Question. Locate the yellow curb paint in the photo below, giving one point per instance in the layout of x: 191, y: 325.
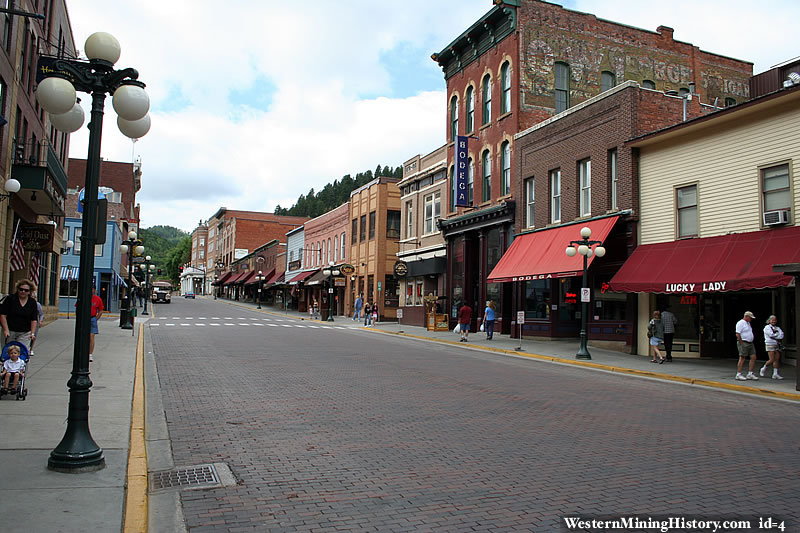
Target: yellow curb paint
x: 136, y: 481
x: 615, y: 369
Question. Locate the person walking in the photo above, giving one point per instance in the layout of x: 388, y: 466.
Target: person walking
x: 375, y: 315
x: 772, y: 340
x: 670, y: 321
x: 655, y: 332
x: 96, y: 313
x: 489, y: 316
x: 367, y: 314
x: 19, y: 314
x: 359, y: 304
x: 745, y: 346
x: 464, y: 317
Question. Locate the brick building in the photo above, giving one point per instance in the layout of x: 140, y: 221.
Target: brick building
x: 124, y: 178
x: 520, y: 64
x: 326, y: 243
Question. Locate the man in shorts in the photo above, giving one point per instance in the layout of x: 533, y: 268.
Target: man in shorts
x: 97, y: 312
x: 464, y: 317
x: 744, y: 342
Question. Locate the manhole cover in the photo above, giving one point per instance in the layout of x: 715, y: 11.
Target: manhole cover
x: 192, y: 477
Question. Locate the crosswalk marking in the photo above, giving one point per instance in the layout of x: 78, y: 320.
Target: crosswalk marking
x: 273, y: 325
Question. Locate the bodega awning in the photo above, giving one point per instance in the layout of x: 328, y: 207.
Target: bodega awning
x: 542, y: 254
x: 713, y: 264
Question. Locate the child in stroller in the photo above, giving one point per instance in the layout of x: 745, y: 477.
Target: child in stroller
x: 14, y: 358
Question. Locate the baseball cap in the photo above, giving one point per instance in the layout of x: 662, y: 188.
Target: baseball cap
x: 748, y: 313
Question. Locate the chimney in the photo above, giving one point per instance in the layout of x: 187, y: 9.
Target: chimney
x: 665, y: 31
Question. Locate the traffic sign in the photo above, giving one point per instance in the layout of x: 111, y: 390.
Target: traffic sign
x: 520, y: 317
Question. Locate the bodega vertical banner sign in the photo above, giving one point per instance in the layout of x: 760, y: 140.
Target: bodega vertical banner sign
x: 461, y: 170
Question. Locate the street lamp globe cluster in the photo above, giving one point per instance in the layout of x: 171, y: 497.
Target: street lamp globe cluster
x: 148, y: 270
x: 586, y: 248
x: 58, y: 81
x: 331, y: 272
x: 133, y: 247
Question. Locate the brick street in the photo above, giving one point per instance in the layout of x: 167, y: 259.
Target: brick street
x: 341, y: 430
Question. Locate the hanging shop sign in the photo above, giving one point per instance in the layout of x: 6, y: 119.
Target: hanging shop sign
x: 400, y: 269
x: 37, y: 237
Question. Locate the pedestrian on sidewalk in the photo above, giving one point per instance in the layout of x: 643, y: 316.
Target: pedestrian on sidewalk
x: 359, y: 304
x: 488, y: 319
x: 670, y: 321
x: 374, y: 314
x: 655, y: 332
x: 773, y: 335
x: 39, y: 320
x: 745, y: 346
x: 464, y: 317
x: 96, y: 313
x: 367, y: 314
x: 19, y: 314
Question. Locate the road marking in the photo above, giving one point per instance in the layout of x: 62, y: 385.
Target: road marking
x: 213, y: 324
x: 273, y: 325
x: 199, y: 324
x: 315, y: 327
x: 229, y: 324
x: 155, y: 324
x: 169, y: 324
x: 286, y: 325
x: 185, y: 324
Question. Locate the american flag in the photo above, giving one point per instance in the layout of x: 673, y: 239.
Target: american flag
x: 17, y: 252
x: 33, y: 273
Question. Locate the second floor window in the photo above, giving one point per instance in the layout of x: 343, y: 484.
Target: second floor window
x: 470, y: 98
x: 453, y: 118
x: 372, y: 223
x: 486, y: 163
x: 505, y: 163
x: 529, y: 198
x: 342, y: 254
x: 362, y: 234
x: 612, y: 173
x: 585, y: 182
x: 393, y: 224
x: 433, y: 211
x: 505, y: 79
x: 354, y: 232
x: 775, y: 186
x: 555, y: 196
x: 409, y: 219
x: 562, y: 87
x: 486, y: 90
x: 686, y: 203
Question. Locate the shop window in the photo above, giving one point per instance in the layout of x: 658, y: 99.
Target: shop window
x: 505, y: 79
x: 453, y: 118
x: 470, y: 98
x: 486, y: 163
x: 686, y: 308
x: 607, y: 80
x: 505, y: 163
x: 392, y: 224
x: 537, y: 299
x: 486, y: 88
x: 607, y: 305
x: 391, y: 294
x: 612, y: 173
x: 529, y: 203
x: 686, y: 202
x: 555, y: 196
x: 585, y: 179
x: 562, y: 86
x: 370, y: 288
x: 775, y: 187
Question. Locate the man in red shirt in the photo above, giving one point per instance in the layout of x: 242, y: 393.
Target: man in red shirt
x: 97, y: 312
x: 464, y: 317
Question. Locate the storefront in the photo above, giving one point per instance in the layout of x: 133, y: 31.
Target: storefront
x: 423, y: 283
x: 709, y: 283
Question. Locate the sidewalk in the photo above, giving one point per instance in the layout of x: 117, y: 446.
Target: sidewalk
x: 44, y: 500
x: 715, y: 373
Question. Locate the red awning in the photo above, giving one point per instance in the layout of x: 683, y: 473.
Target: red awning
x: 276, y: 278
x: 246, y: 278
x: 301, y: 276
x: 235, y: 278
x: 541, y: 254
x: 252, y: 279
x: 712, y: 264
x: 223, y: 279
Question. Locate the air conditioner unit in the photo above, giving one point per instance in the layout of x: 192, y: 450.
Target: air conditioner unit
x: 774, y: 218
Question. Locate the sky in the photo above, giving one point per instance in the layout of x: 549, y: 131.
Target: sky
x: 255, y: 102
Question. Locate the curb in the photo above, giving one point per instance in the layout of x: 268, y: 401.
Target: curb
x: 135, y: 511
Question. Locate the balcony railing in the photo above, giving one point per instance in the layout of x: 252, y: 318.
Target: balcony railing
x: 39, y: 153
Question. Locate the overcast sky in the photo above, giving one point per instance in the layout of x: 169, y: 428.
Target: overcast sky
x: 254, y: 102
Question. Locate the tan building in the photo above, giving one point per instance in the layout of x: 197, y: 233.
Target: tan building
x: 423, y: 249
x: 719, y: 202
x: 374, y: 237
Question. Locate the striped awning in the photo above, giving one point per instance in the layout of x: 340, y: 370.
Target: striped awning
x: 118, y: 281
x: 69, y: 273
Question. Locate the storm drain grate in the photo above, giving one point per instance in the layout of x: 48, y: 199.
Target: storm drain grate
x: 191, y: 477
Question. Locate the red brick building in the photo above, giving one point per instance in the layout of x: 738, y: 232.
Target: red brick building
x: 522, y: 63
x: 124, y: 178
x: 327, y: 241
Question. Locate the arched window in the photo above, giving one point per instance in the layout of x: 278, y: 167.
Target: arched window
x: 453, y: 118
x: 562, y: 87
x: 649, y: 84
x: 342, y: 253
x: 607, y: 80
x: 505, y: 79
x: 470, y: 109
x: 336, y: 247
x: 470, y: 181
x: 321, y: 249
x: 486, y: 96
x: 330, y: 251
x: 486, y: 163
x: 505, y: 163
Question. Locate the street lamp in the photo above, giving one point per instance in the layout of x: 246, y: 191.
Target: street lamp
x: 584, y: 247
x: 331, y: 272
x: 148, y: 268
x: 259, y: 279
x: 59, y: 79
x: 216, y: 278
x: 132, y: 246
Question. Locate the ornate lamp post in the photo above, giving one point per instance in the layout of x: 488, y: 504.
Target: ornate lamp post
x: 216, y: 278
x: 584, y: 247
x: 132, y: 246
x: 259, y: 279
x: 331, y: 272
x: 147, y: 268
x: 58, y: 80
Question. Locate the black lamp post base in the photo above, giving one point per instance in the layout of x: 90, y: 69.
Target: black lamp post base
x: 583, y: 355
x: 127, y: 325
x: 66, y: 457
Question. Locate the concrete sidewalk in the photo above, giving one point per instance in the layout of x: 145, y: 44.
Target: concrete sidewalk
x: 715, y: 373
x: 43, y: 500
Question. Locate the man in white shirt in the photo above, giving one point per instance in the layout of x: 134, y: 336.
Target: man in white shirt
x: 744, y: 342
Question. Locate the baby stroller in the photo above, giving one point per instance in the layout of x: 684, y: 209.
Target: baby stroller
x: 21, y: 391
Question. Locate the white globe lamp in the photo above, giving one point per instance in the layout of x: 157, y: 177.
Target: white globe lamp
x: 102, y: 45
x: 56, y: 95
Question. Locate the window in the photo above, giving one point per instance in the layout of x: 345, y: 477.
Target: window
x: 537, y: 299
x: 775, y: 184
x: 730, y: 101
x: 486, y: 163
x: 202, y: 254
x: 453, y: 118
x: 555, y: 196
x: 335, y: 252
x: 432, y: 211
x: 342, y: 254
x: 372, y: 226
x: 607, y: 80
x: 647, y: 84
x: 585, y: 182
x: 470, y: 181
x: 612, y: 173
x: 409, y: 219
x: 452, y: 188
x: 98, y: 250
x: 354, y: 232
x: 362, y: 234
x: 393, y: 224
x: 505, y: 162
x: 529, y: 197
x: 202, y: 241
x: 686, y: 201
x: 330, y: 251
x: 562, y: 87
x: 76, y: 249
x: 470, y: 109
x: 505, y: 79
x: 486, y: 90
